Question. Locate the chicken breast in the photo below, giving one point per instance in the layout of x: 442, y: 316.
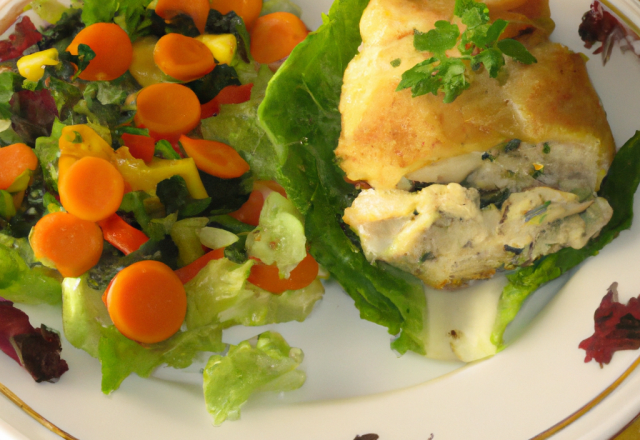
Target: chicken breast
x: 505, y: 174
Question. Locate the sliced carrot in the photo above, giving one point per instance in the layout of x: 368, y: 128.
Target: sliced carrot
x: 112, y: 47
x: 249, y: 212
x: 15, y: 159
x: 167, y: 110
x: 188, y: 272
x: 248, y: 10
x: 92, y: 189
x: 198, y: 10
x: 146, y: 302
x: 214, y: 157
x: 228, y: 95
x: 267, y: 277
x: 183, y: 58
x: 121, y: 234
x: 140, y: 147
x: 73, y: 245
x: 274, y: 36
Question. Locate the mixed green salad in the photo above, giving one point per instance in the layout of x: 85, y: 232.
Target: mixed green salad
x: 211, y: 228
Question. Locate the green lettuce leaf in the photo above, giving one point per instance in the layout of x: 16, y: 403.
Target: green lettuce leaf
x: 21, y: 283
x: 618, y: 188
x: 121, y: 356
x: 48, y: 153
x: 220, y: 294
x: 268, y: 364
x: 300, y: 114
x: 237, y: 125
x: 87, y: 326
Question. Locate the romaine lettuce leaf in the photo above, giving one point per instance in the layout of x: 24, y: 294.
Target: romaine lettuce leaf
x: 618, y: 188
x: 268, y: 364
x: 300, y: 114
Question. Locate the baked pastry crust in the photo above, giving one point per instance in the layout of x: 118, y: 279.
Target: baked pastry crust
x: 387, y: 135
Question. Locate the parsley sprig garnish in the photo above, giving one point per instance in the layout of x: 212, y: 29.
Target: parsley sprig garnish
x: 479, y: 45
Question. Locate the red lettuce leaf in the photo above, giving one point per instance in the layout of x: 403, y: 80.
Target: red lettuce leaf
x: 33, y: 114
x: 617, y: 327
x: 37, y: 350
x: 599, y: 25
x: 24, y: 36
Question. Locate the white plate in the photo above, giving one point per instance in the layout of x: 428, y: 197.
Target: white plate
x: 356, y: 385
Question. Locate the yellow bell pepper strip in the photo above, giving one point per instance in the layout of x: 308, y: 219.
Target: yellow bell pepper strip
x: 81, y: 140
x: 142, y: 176
x: 222, y: 46
x: 32, y: 66
x: 143, y: 68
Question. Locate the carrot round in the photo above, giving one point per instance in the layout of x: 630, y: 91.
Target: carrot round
x: 188, y: 272
x: 167, y: 110
x: 267, y: 277
x: 146, y: 301
x: 92, y: 189
x: 248, y: 10
x: 183, y: 58
x: 215, y: 158
x: 198, y: 10
x: 73, y: 245
x: 15, y: 159
x: 112, y: 47
x: 274, y: 36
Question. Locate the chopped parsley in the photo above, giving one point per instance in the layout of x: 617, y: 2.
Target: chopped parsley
x: 479, y: 46
x: 396, y: 62
x: 513, y: 144
x: 546, y: 149
x: 539, y: 210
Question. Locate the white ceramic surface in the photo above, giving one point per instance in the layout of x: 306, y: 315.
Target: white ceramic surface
x: 356, y: 385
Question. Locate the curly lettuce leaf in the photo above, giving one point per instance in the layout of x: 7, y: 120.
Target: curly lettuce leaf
x: 300, y: 115
x: 618, y: 188
x: 268, y: 364
x: 220, y: 294
x: 87, y: 326
x: 19, y: 282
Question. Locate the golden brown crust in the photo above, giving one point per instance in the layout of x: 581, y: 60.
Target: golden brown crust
x: 388, y: 134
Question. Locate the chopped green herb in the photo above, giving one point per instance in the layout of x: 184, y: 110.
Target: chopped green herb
x: 396, y: 62
x: 513, y: 144
x: 427, y: 256
x: 82, y: 60
x: 479, y: 45
x: 538, y: 210
x: 488, y: 156
x: 514, y: 250
x: 546, y: 149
